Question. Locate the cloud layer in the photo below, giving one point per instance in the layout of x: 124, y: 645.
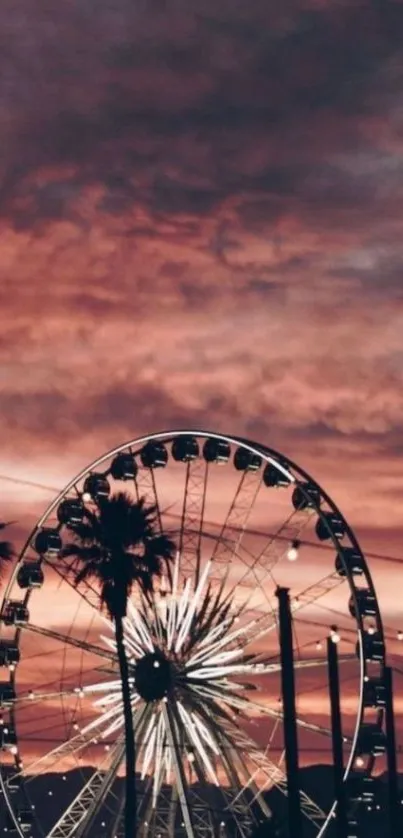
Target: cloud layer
x: 200, y: 225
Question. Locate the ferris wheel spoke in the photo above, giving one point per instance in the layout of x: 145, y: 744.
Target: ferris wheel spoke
x: 240, y: 742
x: 66, y: 570
x: 315, y: 592
x: 118, y: 820
x: 88, y: 735
x: 235, y: 767
x: 171, y: 728
x: 237, y: 702
x: 173, y: 808
x: 230, y: 540
x: 149, y: 817
x: 81, y: 692
x: 261, y: 667
x: 238, y: 803
x: 146, y: 486
x: 277, y: 544
x: 144, y: 806
x: 33, y: 698
x: 192, y: 516
x: 68, y: 640
x: 305, y: 598
x: 276, y: 776
x: 45, y: 762
x: 79, y: 815
x: 302, y: 723
x: 251, y: 776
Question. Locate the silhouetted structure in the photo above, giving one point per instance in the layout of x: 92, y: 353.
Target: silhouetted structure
x: 289, y: 713
x: 337, y: 738
x: 395, y: 818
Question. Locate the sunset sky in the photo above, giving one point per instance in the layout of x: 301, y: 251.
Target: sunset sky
x: 200, y: 226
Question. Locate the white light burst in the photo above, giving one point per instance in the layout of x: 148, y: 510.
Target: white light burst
x: 186, y: 652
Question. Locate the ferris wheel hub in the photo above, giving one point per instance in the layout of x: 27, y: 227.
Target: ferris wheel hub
x: 153, y: 676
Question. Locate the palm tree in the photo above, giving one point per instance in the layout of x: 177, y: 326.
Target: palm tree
x: 119, y: 546
x: 6, y: 551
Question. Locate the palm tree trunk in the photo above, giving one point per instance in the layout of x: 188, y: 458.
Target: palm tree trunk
x: 130, y: 802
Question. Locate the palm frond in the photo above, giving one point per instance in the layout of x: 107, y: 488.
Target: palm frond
x: 89, y: 570
x: 82, y: 552
x: 120, y: 546
x: 83, y: 531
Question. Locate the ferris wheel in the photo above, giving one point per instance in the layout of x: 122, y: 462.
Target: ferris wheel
x: 204, y: 655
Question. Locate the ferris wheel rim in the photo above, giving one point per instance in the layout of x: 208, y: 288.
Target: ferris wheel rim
x: 270, y: 456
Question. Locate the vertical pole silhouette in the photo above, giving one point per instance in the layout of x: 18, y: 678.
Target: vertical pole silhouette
x: 337, y: 738
x: 289, y: 714
x: 393, y: 787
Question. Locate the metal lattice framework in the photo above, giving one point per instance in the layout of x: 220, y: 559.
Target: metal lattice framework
x: 210, y: 748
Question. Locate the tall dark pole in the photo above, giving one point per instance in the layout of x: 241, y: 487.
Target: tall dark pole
x: 337, y: 738
x: 289, y: 714
x: 393, y: 787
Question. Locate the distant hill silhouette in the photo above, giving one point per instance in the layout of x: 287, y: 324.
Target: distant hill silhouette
x: 317, y: 782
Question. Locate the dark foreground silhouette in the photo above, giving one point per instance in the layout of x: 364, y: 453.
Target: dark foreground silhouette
x: 50, y: 792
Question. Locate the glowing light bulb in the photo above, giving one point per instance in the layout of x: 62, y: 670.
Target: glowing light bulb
x: 334, y: 634
x: 359, y: 762
x: 400, y: 635
x: 293, y: 551
x: 191, y: 756
x: 319, y: 645
x: 14, y: 750
x: 156, y: 664
x: 371, y: 630
x: 86, y: 497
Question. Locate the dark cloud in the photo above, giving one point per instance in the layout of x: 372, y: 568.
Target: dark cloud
x: 180, y: 109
